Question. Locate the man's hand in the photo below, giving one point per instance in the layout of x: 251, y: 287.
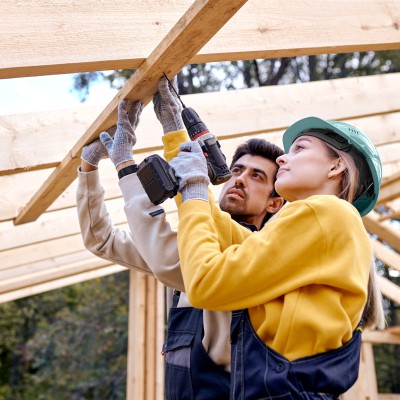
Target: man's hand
x: 167, y: 106
x: 190, y: 167
x: 93, y: 152
x: 119, y: 147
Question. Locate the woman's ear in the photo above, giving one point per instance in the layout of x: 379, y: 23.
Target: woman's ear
x: 337, y: 168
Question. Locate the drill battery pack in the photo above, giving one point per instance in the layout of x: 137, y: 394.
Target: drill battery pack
x: 157, y: 179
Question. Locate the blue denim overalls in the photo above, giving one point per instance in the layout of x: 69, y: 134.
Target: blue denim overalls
x: 258, y: 372
x: 190, y: 373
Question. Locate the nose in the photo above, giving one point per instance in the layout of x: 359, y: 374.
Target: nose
x: 240, y: 180
x: 281, y: 159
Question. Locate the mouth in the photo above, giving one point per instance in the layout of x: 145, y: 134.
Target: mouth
x: 233, y: 192
x: 281, y: 170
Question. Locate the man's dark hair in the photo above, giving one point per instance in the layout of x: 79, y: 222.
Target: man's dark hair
x: 262, y: 148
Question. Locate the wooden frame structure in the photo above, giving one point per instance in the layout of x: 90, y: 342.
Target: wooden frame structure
x: 40, y: 244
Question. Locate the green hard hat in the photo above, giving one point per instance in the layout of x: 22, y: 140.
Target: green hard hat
x: 351, y: 140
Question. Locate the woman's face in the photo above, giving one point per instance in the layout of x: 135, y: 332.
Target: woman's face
x: 306, y: 170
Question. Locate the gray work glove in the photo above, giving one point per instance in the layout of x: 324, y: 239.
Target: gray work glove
x: 93, y: 152
x: 120, y: 146
x: 190, y: 167
x: 167, y: 106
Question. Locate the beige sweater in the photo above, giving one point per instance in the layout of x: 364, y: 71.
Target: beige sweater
x: 149, y: 246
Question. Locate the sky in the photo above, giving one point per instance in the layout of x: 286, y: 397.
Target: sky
x: 20, y: 95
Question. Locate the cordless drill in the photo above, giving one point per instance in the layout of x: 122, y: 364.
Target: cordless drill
x: 157, y: 176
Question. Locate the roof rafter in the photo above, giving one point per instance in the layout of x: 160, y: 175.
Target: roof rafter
x: 54, y: 42
x: 198, y: 25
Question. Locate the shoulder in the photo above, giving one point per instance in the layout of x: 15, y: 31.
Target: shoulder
x: 322, y: 204
x: 327, y: 209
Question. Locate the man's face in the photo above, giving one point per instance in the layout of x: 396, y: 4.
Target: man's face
x: 247, y: 194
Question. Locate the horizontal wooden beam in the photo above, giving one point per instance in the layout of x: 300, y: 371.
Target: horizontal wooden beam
x: 38, y: 140
x: 44, y: 37
x: 198, y: 25
x: 387, y: 336
x: 59, y: 283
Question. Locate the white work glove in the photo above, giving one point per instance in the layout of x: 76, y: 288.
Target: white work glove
x: 120, y: 146
x: 167, y: 106
x: 190, y: 168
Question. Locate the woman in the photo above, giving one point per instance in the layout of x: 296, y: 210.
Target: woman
x: 305, y: 283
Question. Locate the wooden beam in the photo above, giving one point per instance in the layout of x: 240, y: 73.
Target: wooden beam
x: 387, y: 336
x: 383, y: 229
x: 42, y: 37
x: 59, y: 283
x: 386, y: 255
x: 198, y: 25
x: 38, y: 140
x: 136, y: 387
x: 389, y: 289
x: 390, y: 189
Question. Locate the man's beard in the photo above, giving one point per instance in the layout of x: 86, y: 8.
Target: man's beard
x: 233, y: 208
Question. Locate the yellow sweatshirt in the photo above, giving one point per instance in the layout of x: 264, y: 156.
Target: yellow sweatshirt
x: 303, y: 277
x: 233, y: 232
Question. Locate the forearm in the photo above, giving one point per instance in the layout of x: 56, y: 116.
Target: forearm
x: 98, y: 233
x: 152, y: 234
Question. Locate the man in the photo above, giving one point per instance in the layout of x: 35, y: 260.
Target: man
x: 197, y: 348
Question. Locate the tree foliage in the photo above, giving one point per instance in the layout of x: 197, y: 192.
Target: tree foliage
x: 69, y: 343
x: 207, y: 77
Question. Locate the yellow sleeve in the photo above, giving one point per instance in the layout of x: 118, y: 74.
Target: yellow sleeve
x: 288, y: 253
x: 230, y: 231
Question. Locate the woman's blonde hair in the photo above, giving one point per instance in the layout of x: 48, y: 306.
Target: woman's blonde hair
x: 374, y: 315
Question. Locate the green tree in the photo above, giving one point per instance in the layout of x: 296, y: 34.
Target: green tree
x: 67, y: 344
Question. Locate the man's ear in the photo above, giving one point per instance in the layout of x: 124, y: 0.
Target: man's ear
x: 337, y: 168
x: 274, y: 204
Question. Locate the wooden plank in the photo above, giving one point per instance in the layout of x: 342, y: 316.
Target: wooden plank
x: 38, y: 140
x: 390, y: 188
x: 386, y: 255
x: 202, y: 20
x: 151, y: 334
x: 59, y: 283
x: 377, y: 337
x: 383, y: 229
x: 160, y: 339
x: 44, y: 37
x: 38, y: 274
x: 389, y: 289
x: 136, y: 337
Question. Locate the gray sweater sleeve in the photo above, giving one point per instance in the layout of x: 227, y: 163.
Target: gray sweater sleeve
x: 99, y: 234
x: 142, y: 247
x: 151, y: 232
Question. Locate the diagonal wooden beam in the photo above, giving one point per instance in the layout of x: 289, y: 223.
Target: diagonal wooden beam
x: 196, y: 27
x: 389, y: 289
x: 383, y: 229
x: 386, y: 255
x: 390, y: 189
